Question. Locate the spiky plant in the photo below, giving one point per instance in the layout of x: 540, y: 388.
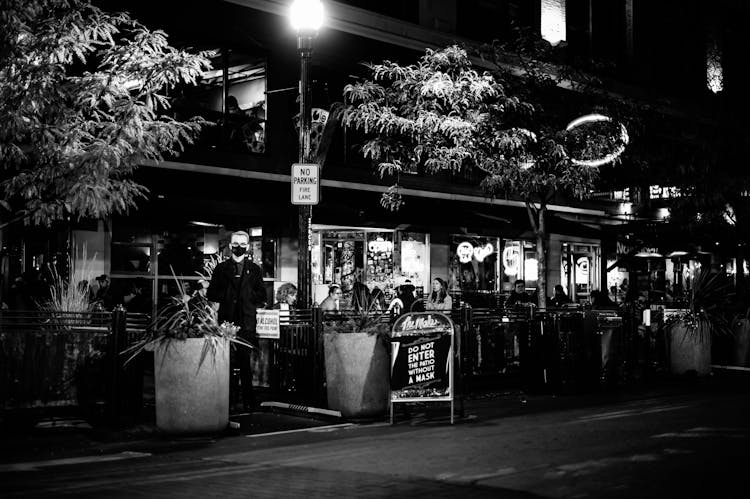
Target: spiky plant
x: 708, y: 301
x: 366, y: 317
x: 181, y: 319
x: 70, y: 297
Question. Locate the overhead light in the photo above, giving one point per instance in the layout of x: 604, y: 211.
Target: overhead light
x: 202, y: 224
x: 647, y: 254
x: 677, y: 253
x: 306, y: 15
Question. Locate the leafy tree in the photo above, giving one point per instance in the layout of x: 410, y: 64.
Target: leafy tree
x: 442, y: 115
x: 83, y: 101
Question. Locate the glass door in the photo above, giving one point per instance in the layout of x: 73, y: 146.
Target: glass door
x: 580, y: 270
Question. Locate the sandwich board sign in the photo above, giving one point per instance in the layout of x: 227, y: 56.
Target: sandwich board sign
x: 422, y: 359
x: 305, y: 183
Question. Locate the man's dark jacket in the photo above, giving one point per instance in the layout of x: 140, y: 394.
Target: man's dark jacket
x: 250, y: 295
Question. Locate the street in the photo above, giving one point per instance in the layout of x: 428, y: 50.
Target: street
x: 685, y: 444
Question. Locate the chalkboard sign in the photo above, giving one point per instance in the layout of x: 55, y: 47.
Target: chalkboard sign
x: 422, y: 359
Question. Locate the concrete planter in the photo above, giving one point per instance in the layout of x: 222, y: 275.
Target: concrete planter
x: 191, y: 397
x: 357, y: 374
x: 688, y: 351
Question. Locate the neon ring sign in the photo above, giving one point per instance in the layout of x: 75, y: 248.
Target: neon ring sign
x: 527, y: 163
x: 594, y: 118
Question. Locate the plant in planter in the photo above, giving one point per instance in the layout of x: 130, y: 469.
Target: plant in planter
x: 357, y: 360
x: 69, y: 301
x: 76, y: 350
x: 690, y: 330
x: 191, y: 364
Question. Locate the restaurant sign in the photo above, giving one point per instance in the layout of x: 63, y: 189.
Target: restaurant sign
x: 422, y: 359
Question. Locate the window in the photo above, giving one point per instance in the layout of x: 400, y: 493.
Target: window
x: 580, y: 269
x: 474, y: 264
x: 263, y: 252
x: 237, y: 105
x: 376, y: 257
x: 519, y: 262
x: 412, y: 256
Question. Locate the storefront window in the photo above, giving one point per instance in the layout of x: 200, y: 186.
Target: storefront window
x: 343, y: 255
x: 177, y: 253
x: 474, y: 264
x: 519, y: 262
x: 413, y: 255
x: 579, y: 270
x: 377, y: 258
x: 263, y: 252
x: 180, y: 252
x: 131, y: 258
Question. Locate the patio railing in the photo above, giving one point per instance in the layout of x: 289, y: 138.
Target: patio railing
x: 51, y: 360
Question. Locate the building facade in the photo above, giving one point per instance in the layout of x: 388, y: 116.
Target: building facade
x: 237, y: 176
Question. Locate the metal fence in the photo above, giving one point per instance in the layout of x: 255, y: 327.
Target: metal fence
x: 50, y: 360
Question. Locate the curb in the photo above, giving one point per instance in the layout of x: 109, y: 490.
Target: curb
x: 301, y: 408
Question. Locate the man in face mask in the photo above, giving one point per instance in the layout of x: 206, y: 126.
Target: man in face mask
x: 237, y: 287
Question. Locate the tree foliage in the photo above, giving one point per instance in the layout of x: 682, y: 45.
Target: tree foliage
x: 441, y: 114
x: 83, y: 100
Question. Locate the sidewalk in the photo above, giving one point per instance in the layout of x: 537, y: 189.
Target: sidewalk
x: 71, y: 437
x: 49, y: 438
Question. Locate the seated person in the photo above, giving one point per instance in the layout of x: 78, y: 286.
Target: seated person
x: 404, y: 299
x: 559, y: 298
x: 518, y: 296
x: 332, y: 301
x: 286, y: 297
x: 439, y: 299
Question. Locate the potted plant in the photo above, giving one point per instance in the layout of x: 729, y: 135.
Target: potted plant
x: 690, y: 330
x: 72, y: 336
x: 191, y: 364
x: 357, y: 360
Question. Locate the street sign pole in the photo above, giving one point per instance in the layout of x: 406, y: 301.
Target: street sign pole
x: 304, y: 271
x: 305, y: 189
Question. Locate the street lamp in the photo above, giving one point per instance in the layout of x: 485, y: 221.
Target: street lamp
x: 306, y: 18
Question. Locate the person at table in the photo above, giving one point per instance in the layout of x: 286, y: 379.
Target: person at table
x: 286, y: 297
x: 559, y: 298
x: 332, y: 303
x: 404, y: 300
x: 519, y: 296
x: 439, y: 299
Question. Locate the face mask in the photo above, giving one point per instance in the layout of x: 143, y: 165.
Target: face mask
x: 238, y: 250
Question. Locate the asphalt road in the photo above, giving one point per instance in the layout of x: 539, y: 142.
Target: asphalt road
x: 691, y: 443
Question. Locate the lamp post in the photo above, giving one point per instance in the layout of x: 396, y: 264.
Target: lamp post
x: 306, y: 18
